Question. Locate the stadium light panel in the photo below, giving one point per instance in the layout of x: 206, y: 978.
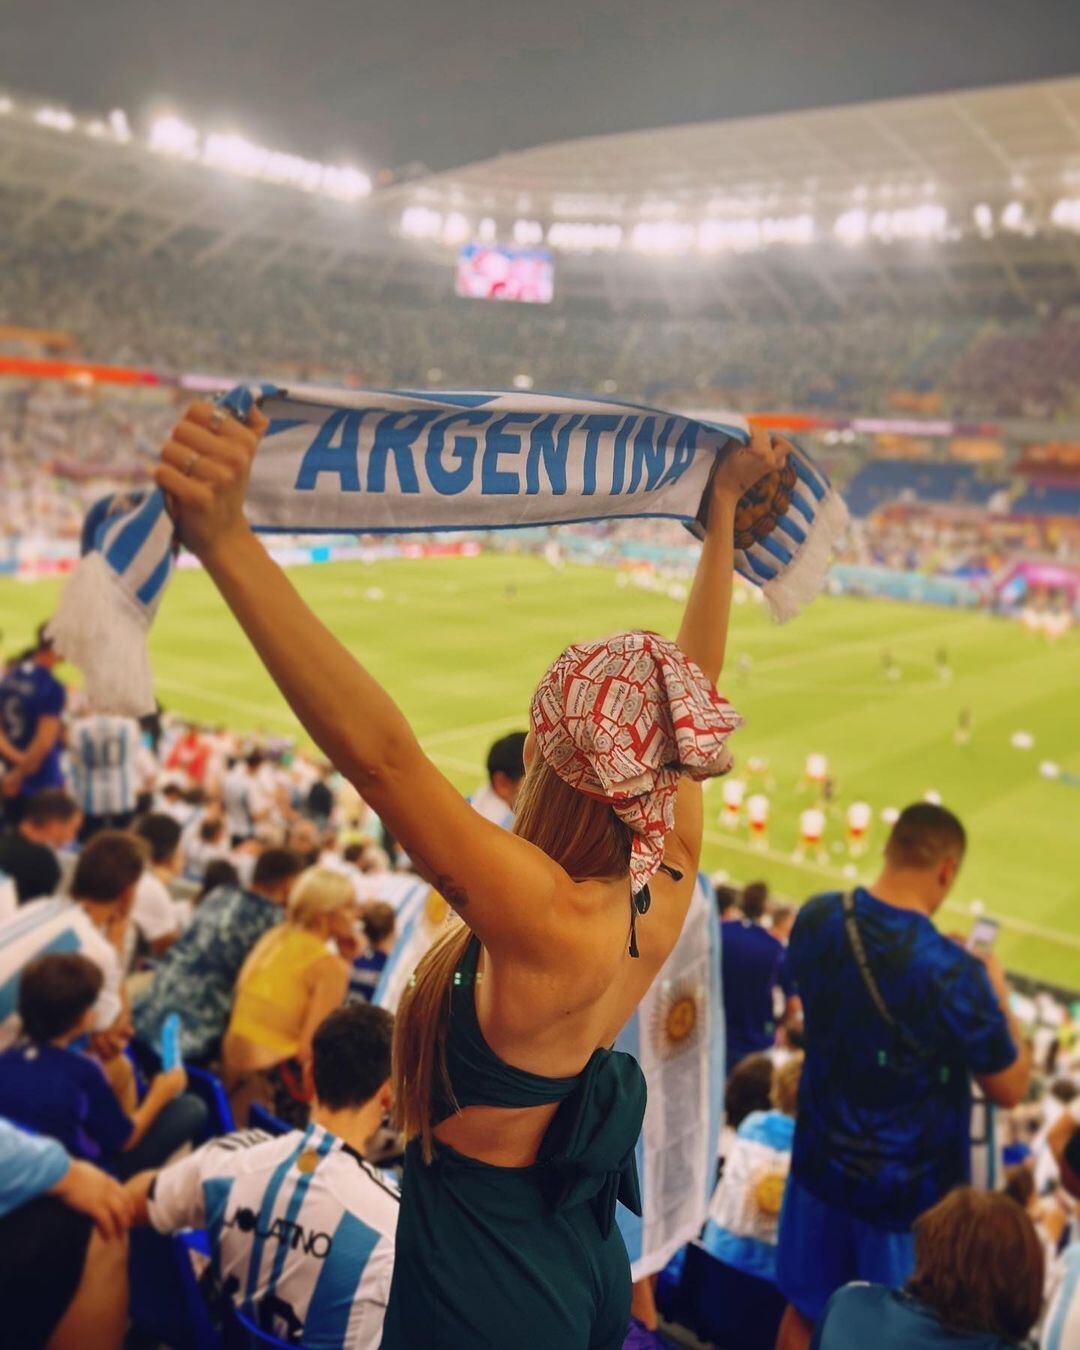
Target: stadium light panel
x: 456, y: 228
x: 1066, y: 214
x: 421, y: 222
x: 1012, y: 216
x: 6, y: 105
x: 984, y: 218
x: 528, y: 232
x: 57, y: 119
x: 120, y: 126
x: 487, y: 231
x: 662, y: 236
x: 173, y: 136
x: 585, y: 236
x: 850, y: 227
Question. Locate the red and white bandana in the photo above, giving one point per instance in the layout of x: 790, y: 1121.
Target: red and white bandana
x: 621, y: 720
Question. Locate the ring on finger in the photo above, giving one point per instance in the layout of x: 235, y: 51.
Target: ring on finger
x: 189, y: 467
x: 217, y: 419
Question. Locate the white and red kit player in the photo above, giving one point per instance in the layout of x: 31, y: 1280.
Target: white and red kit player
x: 859, y: 816
x: 811, y: 831
x: 757, y: 814
x: 817, y: 769
x: 733, y: 791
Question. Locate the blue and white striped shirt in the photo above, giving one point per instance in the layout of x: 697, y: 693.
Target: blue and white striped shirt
x: 102, y: 751
x: 301, y: 1227
x: 1061, y: 1329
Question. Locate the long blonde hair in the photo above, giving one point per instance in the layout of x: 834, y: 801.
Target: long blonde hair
x: 588, y: 840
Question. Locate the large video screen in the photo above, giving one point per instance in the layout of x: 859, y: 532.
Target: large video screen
x: 494, y: 272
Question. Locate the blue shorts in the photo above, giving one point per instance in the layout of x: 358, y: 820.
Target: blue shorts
x: 820, y: 1248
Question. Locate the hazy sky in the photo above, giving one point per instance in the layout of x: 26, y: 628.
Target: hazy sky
x: 383, y: 82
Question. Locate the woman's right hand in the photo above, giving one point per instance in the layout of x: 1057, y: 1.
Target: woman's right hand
x: 204, y: 470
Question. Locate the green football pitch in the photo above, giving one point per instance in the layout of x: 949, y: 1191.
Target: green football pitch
x: 461, y: 642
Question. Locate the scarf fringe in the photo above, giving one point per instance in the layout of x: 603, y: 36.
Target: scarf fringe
x: 803, y: 579
x: 102, y: 630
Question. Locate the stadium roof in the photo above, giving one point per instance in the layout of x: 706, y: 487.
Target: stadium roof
x: 959, y: 201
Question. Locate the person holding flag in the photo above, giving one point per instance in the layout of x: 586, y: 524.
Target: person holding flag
x: 522, y: 1126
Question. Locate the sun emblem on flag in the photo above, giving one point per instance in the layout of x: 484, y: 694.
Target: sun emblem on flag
x: 435, y: 909
x: 677, y: 1018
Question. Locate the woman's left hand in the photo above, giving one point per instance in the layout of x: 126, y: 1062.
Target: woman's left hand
x: 742, y: 468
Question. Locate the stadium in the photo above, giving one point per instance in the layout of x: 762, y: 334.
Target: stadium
x: 893, y: 285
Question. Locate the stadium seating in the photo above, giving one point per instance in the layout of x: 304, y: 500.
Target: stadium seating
x: 259, y: 1118
x: 886, y: 480
x: 166, y: 1303
x: 209, y: 1088
x: 242, y: 1334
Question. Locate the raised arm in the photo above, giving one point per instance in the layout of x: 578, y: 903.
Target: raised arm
x: 703, y: 632
x: 475, y: 865
x: 703, y: 638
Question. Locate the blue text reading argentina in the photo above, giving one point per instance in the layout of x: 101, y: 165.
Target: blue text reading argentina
x: 496, y: 454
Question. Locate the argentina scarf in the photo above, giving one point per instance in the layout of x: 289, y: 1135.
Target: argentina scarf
x: 392, y: 461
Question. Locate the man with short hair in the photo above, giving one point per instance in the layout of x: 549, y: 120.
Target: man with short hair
x: 301, y: 1226
x: 32, y: 703
x: 898, y: 1021
x: 93, y: 921
x: 497, y: 799
x: 751, y: 959
x: 198, y: 973
x: 155, y: 914
x: 28, y: 850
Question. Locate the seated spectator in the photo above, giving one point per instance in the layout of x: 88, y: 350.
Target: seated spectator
x: 32, y: 704
x: 198, y: 973
x: 1061, y: 1326
x: 288, y: 984
x: 156, y: 916
x: 63, y: 1248
x: 506, y: 772
x: 94, y: 922
x: 379, y: 923
x: 745, y: 1209
x: 208, y: 845
x: 744, y: 1215
x: 221, y: 872
x: 319, y: 1275
x: 749, y: 1088
x: 751, y: 958
x: 977, y: 1285
x: 28, y: 850
x: 51, y: 1088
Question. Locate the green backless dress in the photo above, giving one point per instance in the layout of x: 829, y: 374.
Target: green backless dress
x: 519, y: 1258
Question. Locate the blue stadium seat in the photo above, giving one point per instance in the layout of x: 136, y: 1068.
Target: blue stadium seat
x: 165, y: 1300
x: 241, y: 1333
x: 259, y: 1118
x: 724, y: 1306
x: 210, y: 1089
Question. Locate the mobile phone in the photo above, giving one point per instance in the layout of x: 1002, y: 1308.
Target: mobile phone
x: 170, y: 1043
x: 981, y: 938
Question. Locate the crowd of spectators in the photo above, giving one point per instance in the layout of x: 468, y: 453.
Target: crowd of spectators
x: 173, y: 869
x: 156, y: 309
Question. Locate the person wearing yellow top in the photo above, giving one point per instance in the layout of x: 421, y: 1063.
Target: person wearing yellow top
x: 295, y: 975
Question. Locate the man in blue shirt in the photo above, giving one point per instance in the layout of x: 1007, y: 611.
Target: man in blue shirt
x: 31, y: 705
x: 898, y: 1021
x: 751, y: 960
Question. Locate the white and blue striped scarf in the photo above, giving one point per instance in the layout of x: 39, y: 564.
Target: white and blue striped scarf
x: 392, y: 461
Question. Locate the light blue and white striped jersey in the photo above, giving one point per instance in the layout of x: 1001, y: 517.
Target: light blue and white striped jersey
x: 1061, y: 1329
x: 39, y: 929
x: 102, y: 752
x: 301, y: 1228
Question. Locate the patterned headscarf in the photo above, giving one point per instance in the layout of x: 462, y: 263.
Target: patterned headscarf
x: 621, y: 720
